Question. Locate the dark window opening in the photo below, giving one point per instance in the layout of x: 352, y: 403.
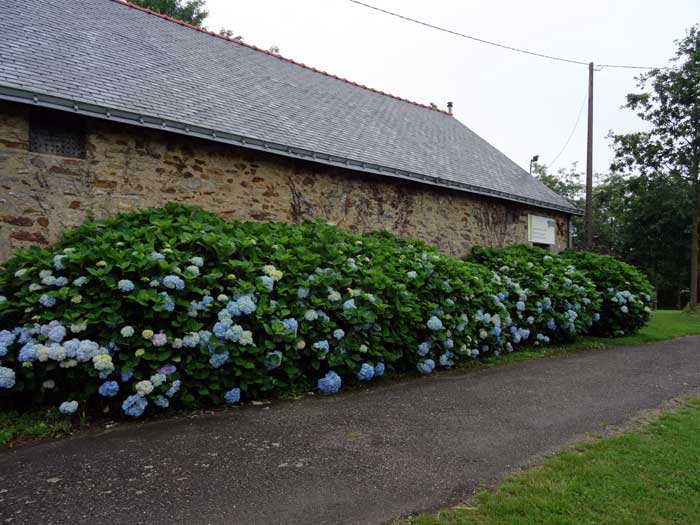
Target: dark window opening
x: 57, y: 133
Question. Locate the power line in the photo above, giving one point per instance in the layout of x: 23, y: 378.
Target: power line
x: 488, y: 42
x: 578, y: 118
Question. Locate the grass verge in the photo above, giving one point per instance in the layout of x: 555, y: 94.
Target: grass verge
x: 18, y: 428
x: 645, y: 476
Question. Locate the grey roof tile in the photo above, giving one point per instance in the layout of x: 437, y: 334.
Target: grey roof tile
x: 110, y: 54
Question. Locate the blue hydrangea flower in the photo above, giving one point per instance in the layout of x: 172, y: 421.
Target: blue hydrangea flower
x: 338, y: 334
x: 596, y: 316
x: 173, y: 388
x: 197, y: 261
x: 157, y: 379
x: 349, y: 305
x: 157, y: 256
x: 273, y: 360
x: 446, y: 360
x: 161, y: 402
x: 173, y: 282
x: 426, y: 366
x: 167, y: 370
x: 434, y: 324
x: 379, y: 370
x: 125, y: 285
x: 322, y: 315
x: 244, y: 305
x: 56, y: 352
x: 7, y: 377
x: 321, y: 345
x: 330, y: 383
x: 169, y: 304
x: 411, y: 274
x: 127, y: 375
x: 108, y: 389
x: 68, y: 407
x: 624, y: 309
x: 267, y: 281
x: 520, y: 306
x: 551, y: 324
x: 366, y: 372
x: 302, y: 293
x: 291, y: 324
x: 233, y: 396
x: 423, y: 348
x: 134, y: 405
x: 58, y: 261
x: 79, y: 281
x: 218, y: 360
x: 47, y: 300
x: 56, y: 333
x: 7, y: 338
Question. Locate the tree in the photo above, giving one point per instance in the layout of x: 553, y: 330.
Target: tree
x: 670, y: 104
x: 189, y: 11
x: 566, y: 182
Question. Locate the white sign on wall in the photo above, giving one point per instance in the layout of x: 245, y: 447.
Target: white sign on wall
x: 541, y: 230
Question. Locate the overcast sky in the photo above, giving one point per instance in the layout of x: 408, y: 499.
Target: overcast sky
x: 521, y: 104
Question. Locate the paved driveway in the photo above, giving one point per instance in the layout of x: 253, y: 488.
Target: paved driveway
x: 360, y: 457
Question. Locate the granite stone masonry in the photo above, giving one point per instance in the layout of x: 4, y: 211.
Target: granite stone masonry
x: 128, y: 167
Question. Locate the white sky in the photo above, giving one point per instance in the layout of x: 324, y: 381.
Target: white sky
x: 523, y: 105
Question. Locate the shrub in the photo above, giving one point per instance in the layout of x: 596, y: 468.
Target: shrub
x: 153, y: 309
x: 626, y: 293
x: 555, y: 299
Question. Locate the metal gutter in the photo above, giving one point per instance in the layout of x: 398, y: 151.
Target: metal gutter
x: 35, y: 98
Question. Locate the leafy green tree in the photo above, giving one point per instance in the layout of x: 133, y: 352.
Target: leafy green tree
x: 566, y: 182
x: 189, y: 11
x: 670, y: 104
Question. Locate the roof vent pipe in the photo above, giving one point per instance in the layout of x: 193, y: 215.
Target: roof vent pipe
x: 449, y: 108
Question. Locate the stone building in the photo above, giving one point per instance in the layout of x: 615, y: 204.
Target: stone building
x: 106, y: 107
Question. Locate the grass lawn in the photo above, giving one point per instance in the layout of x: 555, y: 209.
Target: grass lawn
x: 665, y: 324
x: 641, y: 477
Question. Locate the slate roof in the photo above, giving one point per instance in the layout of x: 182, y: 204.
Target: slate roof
x: 111, y: 60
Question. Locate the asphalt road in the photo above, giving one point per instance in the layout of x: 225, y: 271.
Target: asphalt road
x: 361, y: 457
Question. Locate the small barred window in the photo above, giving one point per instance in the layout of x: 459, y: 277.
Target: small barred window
x: 57, y: 133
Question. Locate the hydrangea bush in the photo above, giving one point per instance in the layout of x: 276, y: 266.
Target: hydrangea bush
x: 149, y: 310
x: 626, y: 293
x: 555, y: 299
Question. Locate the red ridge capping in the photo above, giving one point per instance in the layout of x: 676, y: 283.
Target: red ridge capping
x: 280, y: 57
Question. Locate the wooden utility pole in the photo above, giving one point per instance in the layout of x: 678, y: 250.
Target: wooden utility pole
x: 589, y: 163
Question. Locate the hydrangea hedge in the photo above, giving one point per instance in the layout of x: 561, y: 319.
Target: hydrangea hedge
x: 625, y: 292
x: 152, y: 309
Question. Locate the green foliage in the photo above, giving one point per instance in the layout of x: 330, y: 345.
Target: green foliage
x: 566, y: 182
x: 670, y: 146
x: 146, y: 302
x: 189, y: 11
x: 34, y: 425
x: 625, y: 292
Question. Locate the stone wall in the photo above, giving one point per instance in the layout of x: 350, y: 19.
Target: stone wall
x: 128, y: 167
